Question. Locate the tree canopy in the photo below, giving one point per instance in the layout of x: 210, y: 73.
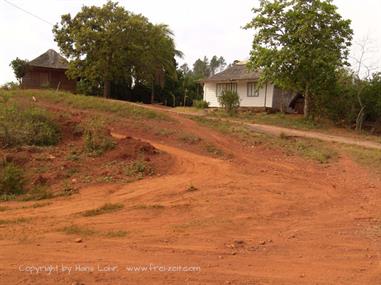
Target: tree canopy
x: 299, y: 44
x: 19, y: 68
x: 110, y: 44
x: 203, y: 68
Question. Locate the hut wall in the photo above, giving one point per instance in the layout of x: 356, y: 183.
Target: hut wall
x: 47, y: 78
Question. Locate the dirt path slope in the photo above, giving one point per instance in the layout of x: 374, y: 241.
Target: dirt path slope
x: 260, y: 218
x: 275, y: 130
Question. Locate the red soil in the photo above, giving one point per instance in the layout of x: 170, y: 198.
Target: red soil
x: 260, y: 217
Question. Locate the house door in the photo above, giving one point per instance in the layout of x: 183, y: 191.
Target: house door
x: 44, y: 79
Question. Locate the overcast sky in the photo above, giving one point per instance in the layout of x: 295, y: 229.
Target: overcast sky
x: 201, y: 27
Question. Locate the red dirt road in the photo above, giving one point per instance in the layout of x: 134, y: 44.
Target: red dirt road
x: 259, y: 218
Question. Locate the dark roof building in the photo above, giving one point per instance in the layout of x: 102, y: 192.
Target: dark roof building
x: 48, y: 71
x: 236, y: 72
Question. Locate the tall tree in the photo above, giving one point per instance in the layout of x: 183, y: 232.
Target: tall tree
x: 109, y: 44
x: 298, y: 45
x: 217, y: 64
x: 201, y: 68
x: 19, y: 67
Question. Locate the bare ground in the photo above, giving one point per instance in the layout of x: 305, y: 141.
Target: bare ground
x: 257, y: 217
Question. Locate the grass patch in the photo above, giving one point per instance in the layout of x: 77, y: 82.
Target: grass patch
x: 212, y: 149
x: 97, y: 139
x: 119, y: 108
x: 40, y: 205
x: 307, y: 148
x: 29, y: 126
x: 11, y: 179
x: 7, y: 197
x: 276, y: 119
x: 146, y: 207
x: 190, y: 139
x: 116, y: 234
x: 15, y: 221
x: 105, y: 209
x: 371, y: 158
x: 284, y: 120
x: 39, y: 192
x: 164, y: 133
x: 78, y: 230
x: 139, y: 169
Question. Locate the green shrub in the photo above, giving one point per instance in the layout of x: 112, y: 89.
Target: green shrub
x: 200, y: 104
x: 11, y: 180
x: 10, y: 86
x: 139, y: 168
x: 96, y: 136
x: 26, y: 127
x: 230, y: 101
x: 39, y: 192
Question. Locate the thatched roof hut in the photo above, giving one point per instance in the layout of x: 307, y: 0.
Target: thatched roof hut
x: 48, y: 71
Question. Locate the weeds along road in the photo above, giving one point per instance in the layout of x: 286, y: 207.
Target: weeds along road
x: 277, y: 131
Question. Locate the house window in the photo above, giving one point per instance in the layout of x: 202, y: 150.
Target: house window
x: 220, y: 87
x: 252, y: 90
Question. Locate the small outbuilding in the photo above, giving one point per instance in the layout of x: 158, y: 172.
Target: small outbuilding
x: 240, y: 79
x: 48, y: 71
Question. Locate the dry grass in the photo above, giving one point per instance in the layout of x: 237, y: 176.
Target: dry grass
x: 105, y: 209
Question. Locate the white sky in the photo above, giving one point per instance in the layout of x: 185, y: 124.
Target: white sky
x: 201, y: 27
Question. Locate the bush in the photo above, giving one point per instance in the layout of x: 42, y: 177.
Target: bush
x: 11, y: 179
x: 96, y: 136
x: 10, y: 86
x: 26, y: 127
x: 139, y: 168
x: 230, y: 101
x: 200, y: 104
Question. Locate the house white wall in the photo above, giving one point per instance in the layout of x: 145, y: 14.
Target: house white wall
x: 265, y: 97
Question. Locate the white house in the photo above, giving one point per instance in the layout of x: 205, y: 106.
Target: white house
x: 238, y: 78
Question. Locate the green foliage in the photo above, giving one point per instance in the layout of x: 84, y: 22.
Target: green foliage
x: 139, y: 169
x: 200, y: 104
x: 298, y: 45
x: 230, y: 101
x: 341, y: 104
x: 309, y: 149
x: 39, y: 192
x: 203, y: 68
x: 19, y: 67
x: 31, y: 126
x: 284, y: 120
x: 10, y: 86
x: 96, y: 137
x: 11, y: 179
x: 123, y: 45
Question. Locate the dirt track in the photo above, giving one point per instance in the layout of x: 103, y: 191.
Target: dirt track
x: 260, y: 218
x: 275, y: 130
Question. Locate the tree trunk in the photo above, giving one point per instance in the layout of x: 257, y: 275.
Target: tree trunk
x: 306, y: 104
x: 107, y: 88
x: 360, y: 119
x: 361, y: 114
x: 153, y: 92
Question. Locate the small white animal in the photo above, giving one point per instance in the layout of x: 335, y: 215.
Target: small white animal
x: 34, y: 99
